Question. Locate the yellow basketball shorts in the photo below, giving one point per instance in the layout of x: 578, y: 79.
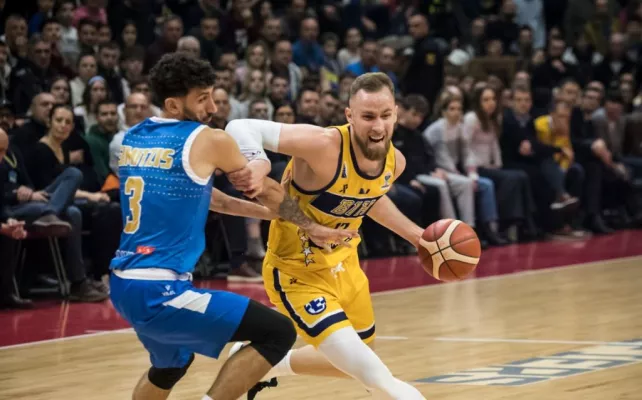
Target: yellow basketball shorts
x: 322, y: 302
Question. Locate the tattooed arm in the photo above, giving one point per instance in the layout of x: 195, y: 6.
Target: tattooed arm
x: 215, y: 149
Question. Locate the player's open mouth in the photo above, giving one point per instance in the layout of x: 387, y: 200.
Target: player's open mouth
x: 376, y: 139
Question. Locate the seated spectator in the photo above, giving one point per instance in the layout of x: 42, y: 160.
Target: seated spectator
x: 514, y: 198
x: 259, y: 110
x: 31, y: 76
x: 69, y: 41
x: 421, y: 170
x: 189, y: 45
x: 279, y: 89
x: 41, y: 206
x: 136, y: 111
x: 307, y: 106
x: 255, y: 88
x: 368, y: 61
x: 87, y: 69
x: 101, y: 218
x: 140, y: 86
x: 131, y: 69
x: 281, y: 64
x: 255, y: 58
x: 25, y: 137
x: 352, y: 52
x: 452, y: 150
x: 329, y: 110
x: 172, y: 31
x: 95, y: 92
x: 451, y: 184
x: 284, y: 113
x: 87, y: 36
x: 565, y: 175
x: 521, y: 148
x: 108, y: 60
x: 100, y: 136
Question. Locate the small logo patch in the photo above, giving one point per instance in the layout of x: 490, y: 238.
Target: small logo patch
x: 316, y: 306
x: 145, y: 250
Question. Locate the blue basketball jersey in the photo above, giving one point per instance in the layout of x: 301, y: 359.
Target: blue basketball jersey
x: 164, y: 204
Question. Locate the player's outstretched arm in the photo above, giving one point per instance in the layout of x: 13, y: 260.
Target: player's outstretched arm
x: 217, y: 149
x: 315, y: 145
x: 385, y: 213
x: 224, y: 204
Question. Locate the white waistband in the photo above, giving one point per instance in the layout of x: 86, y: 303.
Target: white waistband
x: 152, y: 274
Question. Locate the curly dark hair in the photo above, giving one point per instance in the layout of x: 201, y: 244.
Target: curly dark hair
x: 177, y: 73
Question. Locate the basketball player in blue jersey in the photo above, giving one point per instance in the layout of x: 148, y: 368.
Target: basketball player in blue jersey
x: 166, y: 170
x: 339, y: 174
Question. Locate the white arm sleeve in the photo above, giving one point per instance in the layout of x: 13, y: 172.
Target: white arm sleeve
x: 254, y: 135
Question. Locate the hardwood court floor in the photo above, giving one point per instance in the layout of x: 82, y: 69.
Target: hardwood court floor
x: 424, y: 332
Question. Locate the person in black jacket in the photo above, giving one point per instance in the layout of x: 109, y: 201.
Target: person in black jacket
x: 425, y: 74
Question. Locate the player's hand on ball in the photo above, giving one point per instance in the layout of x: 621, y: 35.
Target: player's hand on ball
x: 249, y: 179
x: 329, y: 238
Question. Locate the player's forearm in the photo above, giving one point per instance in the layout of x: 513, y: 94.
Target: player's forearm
x: 275, y: 198
x: 386, y: 214
x: 224, y: 204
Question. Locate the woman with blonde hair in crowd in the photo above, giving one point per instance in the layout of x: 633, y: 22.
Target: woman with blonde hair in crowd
x: 256, y: 57
x: 483, y: 126
x: 255, y: 88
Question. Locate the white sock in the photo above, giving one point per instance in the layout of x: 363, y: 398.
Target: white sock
x: 283, y: 368
x: 206, y: 397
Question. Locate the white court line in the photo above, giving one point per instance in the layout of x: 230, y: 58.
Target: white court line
x: 392, y: 337
x: 527, y: 341
x: 382, y: 293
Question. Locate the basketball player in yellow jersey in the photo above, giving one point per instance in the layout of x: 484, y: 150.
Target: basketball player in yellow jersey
x: 340, y: 174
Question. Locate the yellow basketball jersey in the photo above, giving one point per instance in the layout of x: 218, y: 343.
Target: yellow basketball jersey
x: 341, y: 204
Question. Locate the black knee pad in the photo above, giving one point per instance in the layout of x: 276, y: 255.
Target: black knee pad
x: 278, y: 339
x: 166, y: 378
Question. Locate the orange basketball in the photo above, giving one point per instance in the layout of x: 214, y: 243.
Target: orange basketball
x: 449, y: 250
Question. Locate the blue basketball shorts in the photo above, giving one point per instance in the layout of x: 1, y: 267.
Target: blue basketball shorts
x: 172, y: 318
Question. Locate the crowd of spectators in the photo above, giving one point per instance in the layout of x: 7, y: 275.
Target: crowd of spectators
x: 522, y: 118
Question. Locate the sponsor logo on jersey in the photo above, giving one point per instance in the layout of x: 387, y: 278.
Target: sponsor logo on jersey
x: 145, y: 250
x: 316, y: 306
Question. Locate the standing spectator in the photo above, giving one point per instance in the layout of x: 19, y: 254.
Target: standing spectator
x: 482, y: 125
x: 32, y: 76
x: 427, y: 60
x: 172, y: 31
x: 87, y: 68
x: 100, y: 135
x: 92, y: 10
x: 306, y: 52
x: 108, y: 55
x: 69, y: 48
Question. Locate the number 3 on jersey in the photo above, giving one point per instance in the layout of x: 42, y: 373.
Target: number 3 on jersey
x: 134, y: 186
